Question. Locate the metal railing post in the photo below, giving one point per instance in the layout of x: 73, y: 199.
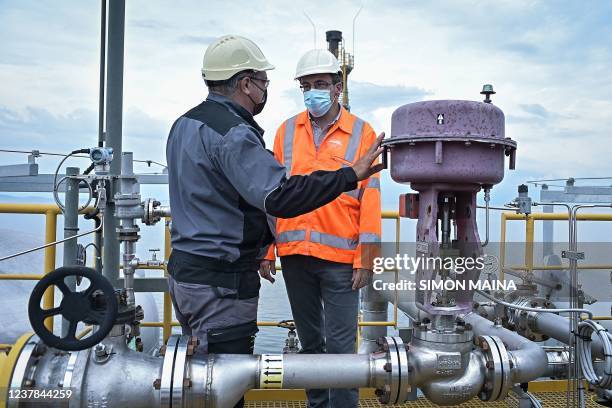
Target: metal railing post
x: 49, y: 262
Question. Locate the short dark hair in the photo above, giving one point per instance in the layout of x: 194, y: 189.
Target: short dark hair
x: 227, y: 87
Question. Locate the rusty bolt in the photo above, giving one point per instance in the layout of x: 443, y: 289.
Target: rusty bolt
x: 187, y: 383
x: 387, y: 367
x: 194, y: 340
x: 406, y: 347
x: 484, y: 346
x: 190, y: 349
x: 162, y: 350
x: 490, y: 365
x: 385, y: 347
x: 157, y: 384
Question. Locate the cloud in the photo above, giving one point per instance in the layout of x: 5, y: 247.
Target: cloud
x: 368, y: 96
x: 536, y: 109
x: 196, y: 39
x: 38, y: 128
x: 148, y: 24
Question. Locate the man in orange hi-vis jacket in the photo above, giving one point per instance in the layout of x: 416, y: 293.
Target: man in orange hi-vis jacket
x: 323, y: 252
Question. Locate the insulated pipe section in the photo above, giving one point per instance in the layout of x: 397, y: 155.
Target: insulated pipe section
x: 558, y: 327
x: 551, y: 325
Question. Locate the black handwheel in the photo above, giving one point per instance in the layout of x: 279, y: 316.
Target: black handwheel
x: 95, y: 305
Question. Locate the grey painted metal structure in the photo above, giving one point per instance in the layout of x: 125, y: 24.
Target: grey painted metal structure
x: 43, y: 183
x: 71, y: 228
x: 570, y: 194
x: 114, y: 123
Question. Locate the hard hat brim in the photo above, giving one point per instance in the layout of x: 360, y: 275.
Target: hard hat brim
x: 225, y: 74
x: 316, y: 71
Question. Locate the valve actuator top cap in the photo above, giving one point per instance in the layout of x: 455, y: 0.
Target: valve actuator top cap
x: 523, y: 188
x: 487, y: 89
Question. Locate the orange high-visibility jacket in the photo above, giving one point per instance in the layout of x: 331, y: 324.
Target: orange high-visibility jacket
x: 339, y: 230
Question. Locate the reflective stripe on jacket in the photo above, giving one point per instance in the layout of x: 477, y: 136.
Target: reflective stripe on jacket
x: 339, y: 230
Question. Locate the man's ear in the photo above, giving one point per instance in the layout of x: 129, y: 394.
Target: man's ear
x: 243, y: 85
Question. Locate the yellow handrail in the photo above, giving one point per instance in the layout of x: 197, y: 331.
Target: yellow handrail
x: 530, y: 233
x: 51, y: 211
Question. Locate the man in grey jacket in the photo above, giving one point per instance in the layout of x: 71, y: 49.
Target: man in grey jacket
x: 223, y: 185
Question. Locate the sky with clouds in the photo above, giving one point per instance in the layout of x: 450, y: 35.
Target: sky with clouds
x: 548, y: 60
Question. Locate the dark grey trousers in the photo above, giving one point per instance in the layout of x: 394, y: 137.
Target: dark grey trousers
x: 324, y: 308
x: 202, y: 308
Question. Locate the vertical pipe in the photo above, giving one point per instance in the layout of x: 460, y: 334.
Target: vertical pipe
x: 502, y: 246
x: 102, y: 73
x: 373, y: 309
x: 98, y: 247
x: 529, y: 236
x: 547, y: 228
x: 50, y: 236
x: 167, y: 318
x: 128, y: 187
x: 71, y: 228
x: 114, y: 116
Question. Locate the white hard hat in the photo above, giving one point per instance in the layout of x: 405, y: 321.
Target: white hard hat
x: 231, y: 54
x: 317, y: 62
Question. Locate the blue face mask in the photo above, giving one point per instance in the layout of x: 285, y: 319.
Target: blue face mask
x: 317, y: 101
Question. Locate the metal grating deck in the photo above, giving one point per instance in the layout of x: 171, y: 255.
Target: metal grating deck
x: 548, y: 399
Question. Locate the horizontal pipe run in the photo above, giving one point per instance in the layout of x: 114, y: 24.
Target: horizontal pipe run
x: 264, y: 324
x: 326, y: 371
x: 558, y: 327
